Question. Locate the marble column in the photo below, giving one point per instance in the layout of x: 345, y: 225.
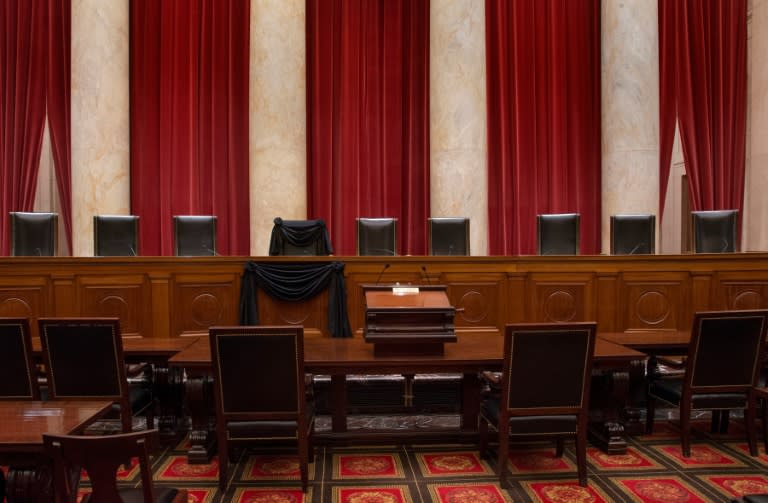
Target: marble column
x: 630, y: 111
x: 458, y: 176
x: 100, y: 116
x: 278, y: 117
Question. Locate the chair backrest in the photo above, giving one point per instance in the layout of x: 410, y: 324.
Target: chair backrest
x: 376, y: 236
x: 547, y: 368
x: 194, y: 235
x: 714, y: 231
x: 633, y: 234
x: 18, y: 378
x: 100, y: 456
x: 269, y: 355
x: 726, y: 350
x: 115, y: 235
x: 34, y: 234
x: 448, y: 235
x: 558, y: 234
x: 300, y: 237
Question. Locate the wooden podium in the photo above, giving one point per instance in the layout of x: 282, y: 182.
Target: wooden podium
x: 408, y: 320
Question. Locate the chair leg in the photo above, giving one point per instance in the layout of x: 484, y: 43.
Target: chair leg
x: 650, y: 411
x: 749, y: 423
x: 559, y: 447
x: 725, y: 416
x: 581, y: 456
x: 223, y: 463
x: 765, y: 424
x: 685, y: 430
x: 483, y: 436
x: 715, y: 424
x: 503, y: 453
x: 304, y: 461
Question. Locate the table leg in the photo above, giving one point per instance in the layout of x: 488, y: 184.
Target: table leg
x: 199, y: 401
x: 470, y: 402
x: 29, y: 484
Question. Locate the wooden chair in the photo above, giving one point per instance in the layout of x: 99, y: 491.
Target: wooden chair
x: 714, y: 231
x: 84, y: 360
x: 275, y: 410
x: 448, y: 235
x: 34, y: 234
x: 115, y: 235
x: 194, y: 235
x: 558, y: 234
x: 633, y: 234
x: 376, y: 236
x: 18, y: 375
x: 721, y: 370
x: 100, y: 457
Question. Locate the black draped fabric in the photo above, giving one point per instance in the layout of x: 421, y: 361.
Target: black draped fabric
x: 300, y: 234
x: 298, y: 281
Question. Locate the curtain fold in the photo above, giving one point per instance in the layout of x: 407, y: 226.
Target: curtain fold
x: 543, y: 92
x: 368, y: 117
x: 189, y: 119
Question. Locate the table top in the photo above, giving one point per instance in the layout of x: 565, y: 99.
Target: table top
x: 144, y: 346
x: 650, y: 340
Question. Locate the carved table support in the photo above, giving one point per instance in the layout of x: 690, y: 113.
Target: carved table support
x: 202, y: 438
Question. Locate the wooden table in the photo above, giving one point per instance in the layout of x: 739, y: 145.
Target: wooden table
x: 471, y: 354
x: 651, y: 341
x: 22, y: 425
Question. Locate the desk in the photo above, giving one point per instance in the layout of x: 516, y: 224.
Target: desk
x: 22, y: 424
x: 472, y: 353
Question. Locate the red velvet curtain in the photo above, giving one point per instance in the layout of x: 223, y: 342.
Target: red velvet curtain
x: 368, y: 117
x: 189, y: 119
x: 34, y: 75
x: 703, y: 82
x: 544, y: 151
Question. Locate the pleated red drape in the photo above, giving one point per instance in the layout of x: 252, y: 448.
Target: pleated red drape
x: 703, y: 82
x: 544, y: 151
x: 34, y: 77
x: 189, y: 119
x: 368, y: 117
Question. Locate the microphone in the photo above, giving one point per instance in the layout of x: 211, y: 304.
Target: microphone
x: 725, y: 245
x: 212, y: 252
x: 637, y: 247
x: 426, y: 276
x: 386, y: 266
x: 39, y: 252
x: 133, y: 252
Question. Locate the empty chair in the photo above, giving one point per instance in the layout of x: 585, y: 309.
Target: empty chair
x: 376, y: 236
x: 300, y: 237
x: 115, y: 235
x: 558, y: 234
x: 18, y: 378
x: 633, y: 234
x: 34, y: 234
x: 448, y: 236
x: 194, y: 235
x: 100, y: 457
x: 714, y: 231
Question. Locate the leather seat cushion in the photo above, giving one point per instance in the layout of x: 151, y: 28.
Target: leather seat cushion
x: 566, y: 424
x: 671, y: 391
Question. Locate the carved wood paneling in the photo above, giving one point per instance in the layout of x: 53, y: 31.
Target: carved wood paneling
x: 202, y: 302
x: 479, y: 300
x: 127, y: 297
x: 654, y: 301
x: 741, y: 291
x: 311, y: 313
x: 560, y: 297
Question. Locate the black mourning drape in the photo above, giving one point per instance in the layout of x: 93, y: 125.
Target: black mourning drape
x: 296, y: 282
x: 300, y: 234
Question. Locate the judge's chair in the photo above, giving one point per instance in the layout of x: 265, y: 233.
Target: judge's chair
x: 448, y: 236
x: 555, y: 404
x: 18, y: 375
x: 633, y: 234
x: 84, y: 361
x: 558, y: 234
x: 194, y: 235
x: 714, y: 231
x: 100, y: 457
x: 34, y: 234
x: 279, y: 409
x: 724, y: 359
x: 376, y: 236
x: 115, y: 235
x: 300, y: 237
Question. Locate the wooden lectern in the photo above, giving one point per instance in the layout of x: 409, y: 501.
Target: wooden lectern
x: 408, y: 320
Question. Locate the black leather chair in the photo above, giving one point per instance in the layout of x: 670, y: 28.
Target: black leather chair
x: 84, y: 360
x: 633, y: 234
x: 18, y: 374
x: 34, y: 234
x: 554, y: 404
x: 194, y: 235
x: 558, y: 234
x: 376, y: 236
x: 100, y: 457
x: 300, y: 237
x: 448, y: 236
x: 115, y: 235
x: 723, y: 363
x: 714, y: 231
x: 278, y: 409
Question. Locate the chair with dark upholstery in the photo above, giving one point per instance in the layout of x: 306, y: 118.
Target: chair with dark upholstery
x: 376, y: 236
x: 633, y: 234
x: 194, y: 235
x: 278, y: 409
x: 115, y: 235
x: 100, y: 457
x: 84, y: 361
x: 448, y: 236
x: 553, y: 405
x: 34, y: 234
x: 300, y: 237
x: 558, y: 234
x: 18, y: 375
x: 721, y: 370
x: 714, y: 231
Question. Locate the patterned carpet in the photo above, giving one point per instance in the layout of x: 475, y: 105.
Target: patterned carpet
x: 652, y: 471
